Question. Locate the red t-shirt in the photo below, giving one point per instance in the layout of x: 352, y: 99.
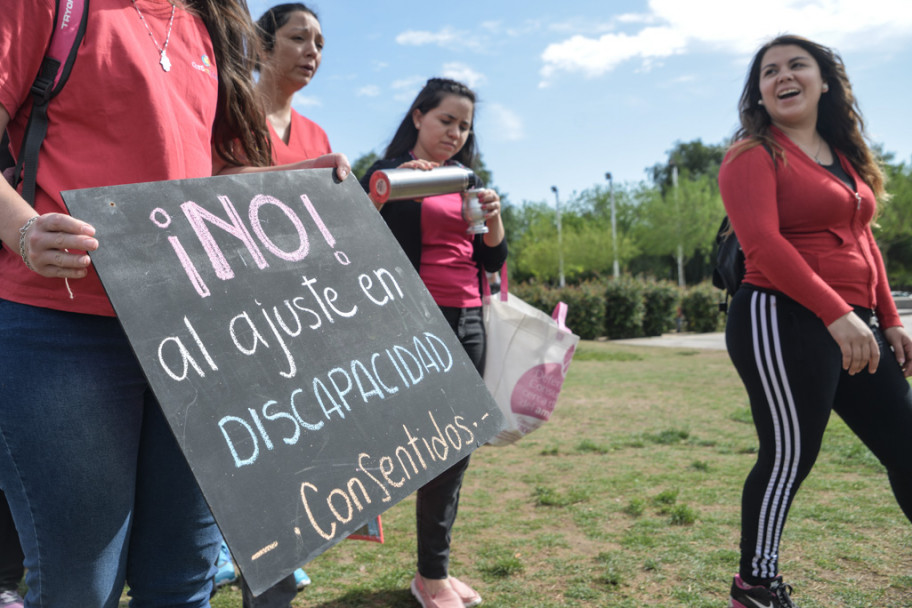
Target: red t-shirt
x: 120, y: 119
x: 447, y: 268
x: 305, y: 140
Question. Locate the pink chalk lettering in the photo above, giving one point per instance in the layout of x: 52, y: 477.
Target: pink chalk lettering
x: 254, y: 212
x: 318, y: 221
x: 197, y: 216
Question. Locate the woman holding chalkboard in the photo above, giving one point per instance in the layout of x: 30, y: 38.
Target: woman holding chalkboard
x: 99, y: 490
x: 438, y: 130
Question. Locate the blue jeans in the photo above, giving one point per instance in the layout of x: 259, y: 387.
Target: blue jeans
x: 99, y: 490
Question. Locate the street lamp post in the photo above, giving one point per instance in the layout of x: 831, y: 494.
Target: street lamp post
x: 680, y: 256
x: 560, y: 242
x: 614, y: 236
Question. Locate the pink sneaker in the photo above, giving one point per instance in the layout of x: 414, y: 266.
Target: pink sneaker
x: 469, y: 596
x: 444, y: 599
x: 10, y: 599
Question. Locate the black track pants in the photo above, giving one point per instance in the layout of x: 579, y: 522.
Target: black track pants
x: 792, y: 370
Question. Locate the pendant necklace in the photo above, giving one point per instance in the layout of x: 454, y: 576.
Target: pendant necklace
x: 162, y: 50
x: 817, y: 154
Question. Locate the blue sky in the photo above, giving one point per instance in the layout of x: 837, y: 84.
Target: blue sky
x: 570, y: 90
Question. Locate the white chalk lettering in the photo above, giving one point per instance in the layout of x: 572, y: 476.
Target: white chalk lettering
x: 186, y: 360
x: 385, y: 278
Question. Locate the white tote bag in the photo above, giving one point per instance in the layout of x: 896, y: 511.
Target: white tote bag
x: 527, y: 358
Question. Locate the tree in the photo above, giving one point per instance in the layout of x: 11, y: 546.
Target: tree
x: 693, y: 158
x: 893, y: 225
x: 586, y: 237
x: 363, y: 163
x: 679, y: 223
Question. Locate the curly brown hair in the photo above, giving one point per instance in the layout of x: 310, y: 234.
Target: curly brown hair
x: 839, y: 119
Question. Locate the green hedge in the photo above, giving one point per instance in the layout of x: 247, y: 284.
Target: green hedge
x: 585, y: 305
x: 661, y: 301
x: 700, y: 308
x: 628, y: 307
x: 585, y: 309
x: 624, y: 308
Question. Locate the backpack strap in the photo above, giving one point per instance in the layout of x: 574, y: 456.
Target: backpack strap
x: 69, y: 29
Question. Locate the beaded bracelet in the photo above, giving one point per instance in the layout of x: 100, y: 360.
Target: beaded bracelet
x: 22, y: 232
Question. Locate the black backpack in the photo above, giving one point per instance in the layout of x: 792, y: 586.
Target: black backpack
x: 728, y: 271
x: 728, y: 258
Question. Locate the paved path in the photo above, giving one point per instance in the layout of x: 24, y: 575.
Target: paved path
x: 714, y: 341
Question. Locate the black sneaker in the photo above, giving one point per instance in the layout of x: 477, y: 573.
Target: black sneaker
x: 774, y: 596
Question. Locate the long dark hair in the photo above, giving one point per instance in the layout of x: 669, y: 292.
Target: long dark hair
x: 274, y: 18
x: 839, y: 119
x: 239, y: 134
x: 429, y: 98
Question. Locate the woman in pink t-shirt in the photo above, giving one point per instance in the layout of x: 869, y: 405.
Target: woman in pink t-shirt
x: 292, y: 41
x: 438, y: 130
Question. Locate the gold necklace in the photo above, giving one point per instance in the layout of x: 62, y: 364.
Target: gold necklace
x: 162, y: 50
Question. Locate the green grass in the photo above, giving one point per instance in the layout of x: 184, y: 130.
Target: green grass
x: 630, y: 497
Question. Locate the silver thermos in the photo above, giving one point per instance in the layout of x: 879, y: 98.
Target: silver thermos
x: 400, y: 184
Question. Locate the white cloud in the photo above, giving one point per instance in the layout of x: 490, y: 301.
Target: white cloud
x: 501, y: 123
x: 370, y: 90
x: 447, y: 38
x: 405, y: 89
x: 304, y: 101
x: 595, y: 57
x: 462, y: 73
x: 672, y: 27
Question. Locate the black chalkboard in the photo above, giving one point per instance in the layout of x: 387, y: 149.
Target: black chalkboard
x: 305, y: 370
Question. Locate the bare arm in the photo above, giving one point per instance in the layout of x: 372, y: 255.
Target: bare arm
x: 48, y: 238
x: 335, y: 160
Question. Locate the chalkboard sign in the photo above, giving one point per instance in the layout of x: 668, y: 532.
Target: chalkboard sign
x: 305, y: 370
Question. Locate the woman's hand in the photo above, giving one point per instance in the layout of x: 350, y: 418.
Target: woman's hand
x: 47, y: 243
x: 902, y: 347
x: 422, y: 165
x: 490, y: 202
x: 335, y: 160
x: 857, y: 343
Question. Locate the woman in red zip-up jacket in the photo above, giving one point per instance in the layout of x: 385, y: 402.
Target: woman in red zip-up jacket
x: 813, y: 329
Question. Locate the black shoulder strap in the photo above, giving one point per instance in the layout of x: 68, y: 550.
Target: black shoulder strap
x: 69, y: 29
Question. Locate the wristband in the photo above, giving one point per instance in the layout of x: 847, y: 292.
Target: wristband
x: 22, y: 233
